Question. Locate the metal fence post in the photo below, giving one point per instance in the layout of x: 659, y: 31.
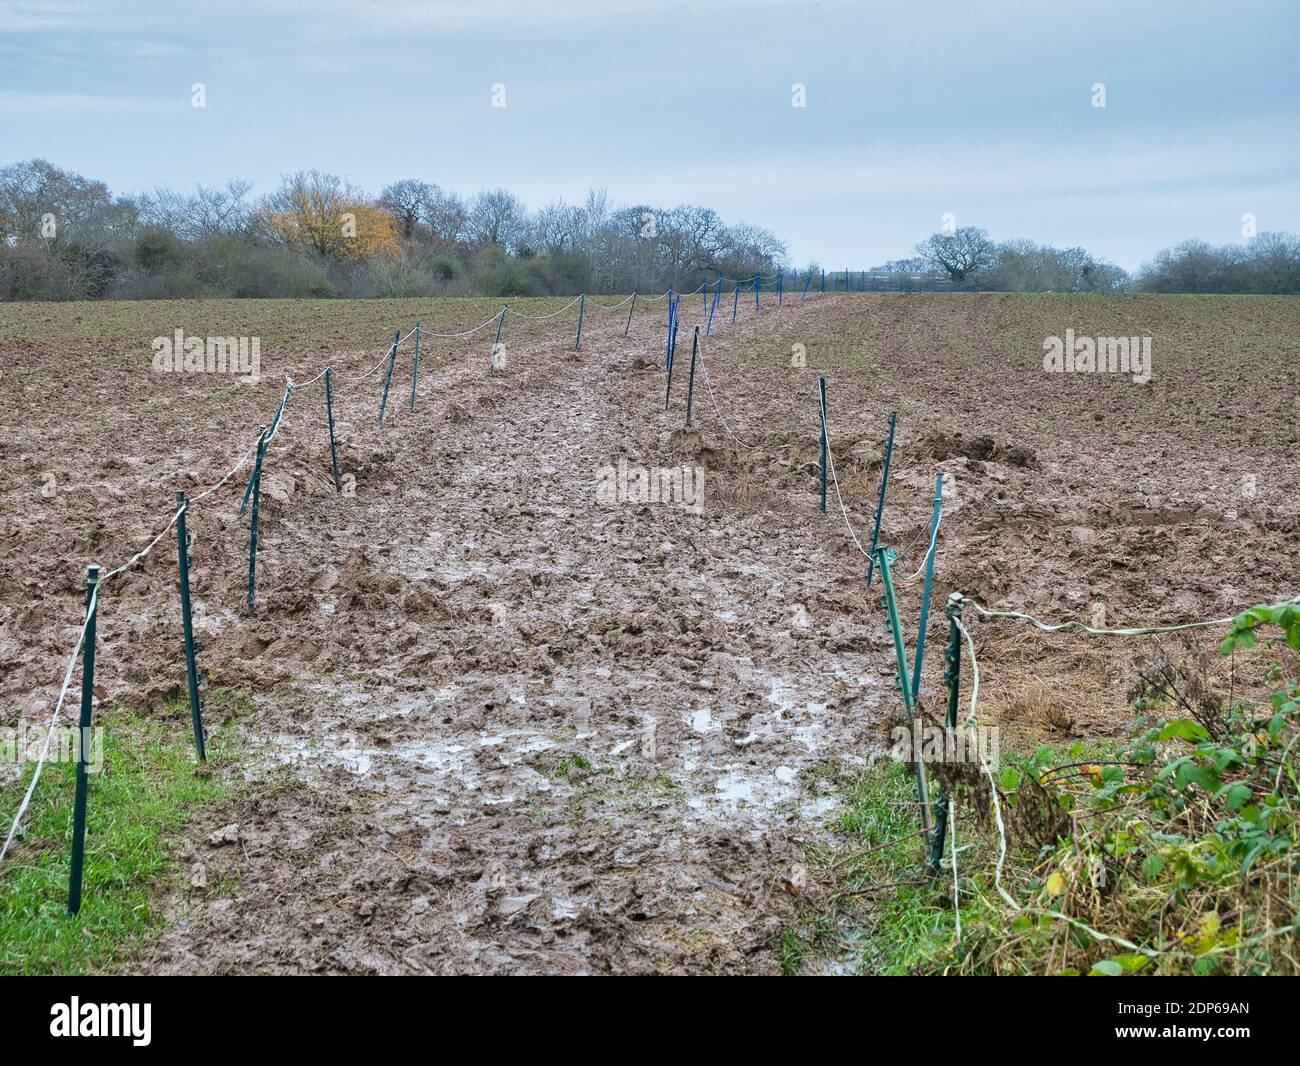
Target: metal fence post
x: 880, y: 497
x: 952, y: 679
x: 690, y: 385
x: 930, y: 548
x: 582, y: 312
x: 83, y: 742
x: 629, y: 315
x: 252, y: 526
x: 329, y: 421
x: 388, y: 380
x: 821, y: 390
x: 187, y: 628
x: 415, y: 370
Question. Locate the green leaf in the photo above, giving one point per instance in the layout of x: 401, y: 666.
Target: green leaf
x: 1152, y: 865
x: 1131, y: 962
x: 1106, y: 968
x: 1183, y: 729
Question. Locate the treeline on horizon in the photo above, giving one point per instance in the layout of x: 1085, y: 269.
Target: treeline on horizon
x: 66, y: 237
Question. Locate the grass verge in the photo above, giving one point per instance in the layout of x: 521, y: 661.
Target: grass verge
x: 149, y: 788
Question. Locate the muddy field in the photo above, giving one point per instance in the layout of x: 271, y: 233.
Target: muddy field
x: 494, y: 721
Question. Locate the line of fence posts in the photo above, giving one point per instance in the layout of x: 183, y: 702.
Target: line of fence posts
x: 253, y: 490
x: 880, y: 496
x: 192, y: 677
x: 83, y: 742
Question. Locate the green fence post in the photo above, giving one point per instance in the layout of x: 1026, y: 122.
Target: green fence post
x: 388, y: 380
x: 83, y: 742
x: 929, y: 581
x: 582, y: 311
x: 952, y: 679
x: 880, y: 497
x: 690, y: 383
x: 821, y: 390
x: 252, y: 526
x: 187, y: 628
x: 329, y: 421
x: 758, y: 284
x: 415, y: 370
x: 900, y: 656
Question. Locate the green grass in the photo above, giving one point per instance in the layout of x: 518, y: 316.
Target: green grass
x: 148, y: 789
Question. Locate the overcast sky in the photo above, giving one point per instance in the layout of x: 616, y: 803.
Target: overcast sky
x: 981, y: 109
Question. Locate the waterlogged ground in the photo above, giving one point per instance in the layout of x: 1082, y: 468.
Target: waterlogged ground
x: 497, y: 721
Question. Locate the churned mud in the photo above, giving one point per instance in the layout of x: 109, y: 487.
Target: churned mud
x: 501, y: 715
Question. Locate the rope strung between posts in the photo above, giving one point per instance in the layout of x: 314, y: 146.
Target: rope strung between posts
x: 468, y: 332
x: 1074, y: 624
x: 612, y: 307
x: 830, y: 463
x: 704, y: 369
x: 543, y: 318
x: 934, y: 537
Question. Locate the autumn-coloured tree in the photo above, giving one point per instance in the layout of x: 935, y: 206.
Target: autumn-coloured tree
x: 321, y: 213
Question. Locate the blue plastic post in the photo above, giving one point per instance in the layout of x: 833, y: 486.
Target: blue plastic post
x: 758, y: 282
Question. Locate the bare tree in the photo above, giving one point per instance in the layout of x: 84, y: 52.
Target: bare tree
x: 407, y: 201
x: 203, y: 213
x: 497, y: 217
x: 959, y: 254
